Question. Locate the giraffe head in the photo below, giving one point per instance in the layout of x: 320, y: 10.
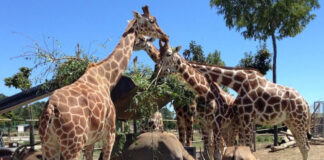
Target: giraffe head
x: 169, y: 59
x: 142, y: 43
x: 146, y: 24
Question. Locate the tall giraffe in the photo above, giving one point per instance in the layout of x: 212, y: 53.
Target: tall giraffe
x: 78, y: 115
x: 213, y: 111
x: 263, y: 102
x: 185, y: 114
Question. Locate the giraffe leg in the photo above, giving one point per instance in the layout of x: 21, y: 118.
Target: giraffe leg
x: 300, y: 136
x: 89, y: 152
x: 181, y: 129
x: 208, y: 142
x: 189, y: 131
x: 219, y: 143
x: 248, y: 131
x: 108, y: 142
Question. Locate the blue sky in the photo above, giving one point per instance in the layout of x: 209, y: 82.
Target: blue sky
x: 92, y: 23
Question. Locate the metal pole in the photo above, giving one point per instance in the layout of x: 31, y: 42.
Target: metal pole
x: 31, y: 129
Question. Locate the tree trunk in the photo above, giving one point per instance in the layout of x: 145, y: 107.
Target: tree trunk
x: 274, y: 79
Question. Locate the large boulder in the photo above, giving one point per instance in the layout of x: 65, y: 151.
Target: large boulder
x: 238, y: 153
x: 157, y: 145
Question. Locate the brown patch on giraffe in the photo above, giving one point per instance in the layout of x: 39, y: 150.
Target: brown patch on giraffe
x: 266, y: 117
x: 62, y: 108
x: 114, y: 76
x: 67, y: 127
x: 74, y: 93
x: 240, y: 76
x: 107, y: 66
x: 293, y: 105
x: 61, y: 98
x: 94, y: 123
x: 56, y: 123
x: 124, y: 63
x: 247, y: 100
x: 248, y: 109
x: 65, y: 118
x: 92, y: 80
x: 181, y: 70
x: 191, y: 81
x: 259, y: 91
x: 77, y: 111
x: 241, y: 110
x: 273, y: 116
x: 253, y: 95
x: 284, y: 104
x: 265, y: 96
x: 96, y: 112
x: 82, y: 101
x: 260, y: 104
x: 251, y: 75
x: 253, y: 84
x: 228, y: 73
x: 236, y: 86
x: 274, y: 100
x: 72, y: 101
x: 185, y: 75
x: 246, y: 86
x: 114, y: 65
x: 269, y: 109
x: 246, y: 119
x: 277, y: 107
x: 101, y: 71
x: 226, y: 81
x: 300, y: 109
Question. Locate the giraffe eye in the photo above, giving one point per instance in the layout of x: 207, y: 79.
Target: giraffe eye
x: 151, y: 20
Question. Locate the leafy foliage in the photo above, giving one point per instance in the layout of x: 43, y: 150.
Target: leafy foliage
x: 194, y: 53
x: 260, y: 61
x: 261, y: 19
x: 20, y: 80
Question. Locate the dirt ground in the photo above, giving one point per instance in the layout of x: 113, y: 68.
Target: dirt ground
x: 316, y: 153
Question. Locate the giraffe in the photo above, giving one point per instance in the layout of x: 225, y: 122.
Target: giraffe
x: 213, y: 111
x: 185, y: 114
x: 155, y: 123
x: 262, y: 102
x: 78, y: 115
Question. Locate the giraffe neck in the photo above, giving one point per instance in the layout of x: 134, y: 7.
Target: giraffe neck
x: 108, y: 71
x: 152, y: 51
x: 235, y: 78
x: 194, y: 78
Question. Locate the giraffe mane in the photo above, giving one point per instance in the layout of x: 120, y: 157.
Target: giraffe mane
x: 225, y: 67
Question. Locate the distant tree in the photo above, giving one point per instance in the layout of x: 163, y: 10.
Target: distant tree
x: 214, y: 58
x: 20, y: 80
x: 263, y: 19
x: 194, y: 53
x: 260, y: 61
x: 2, y: 96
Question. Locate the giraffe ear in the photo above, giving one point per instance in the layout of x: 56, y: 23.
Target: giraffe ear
x: 177, y: 49
x: 137, y: 15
